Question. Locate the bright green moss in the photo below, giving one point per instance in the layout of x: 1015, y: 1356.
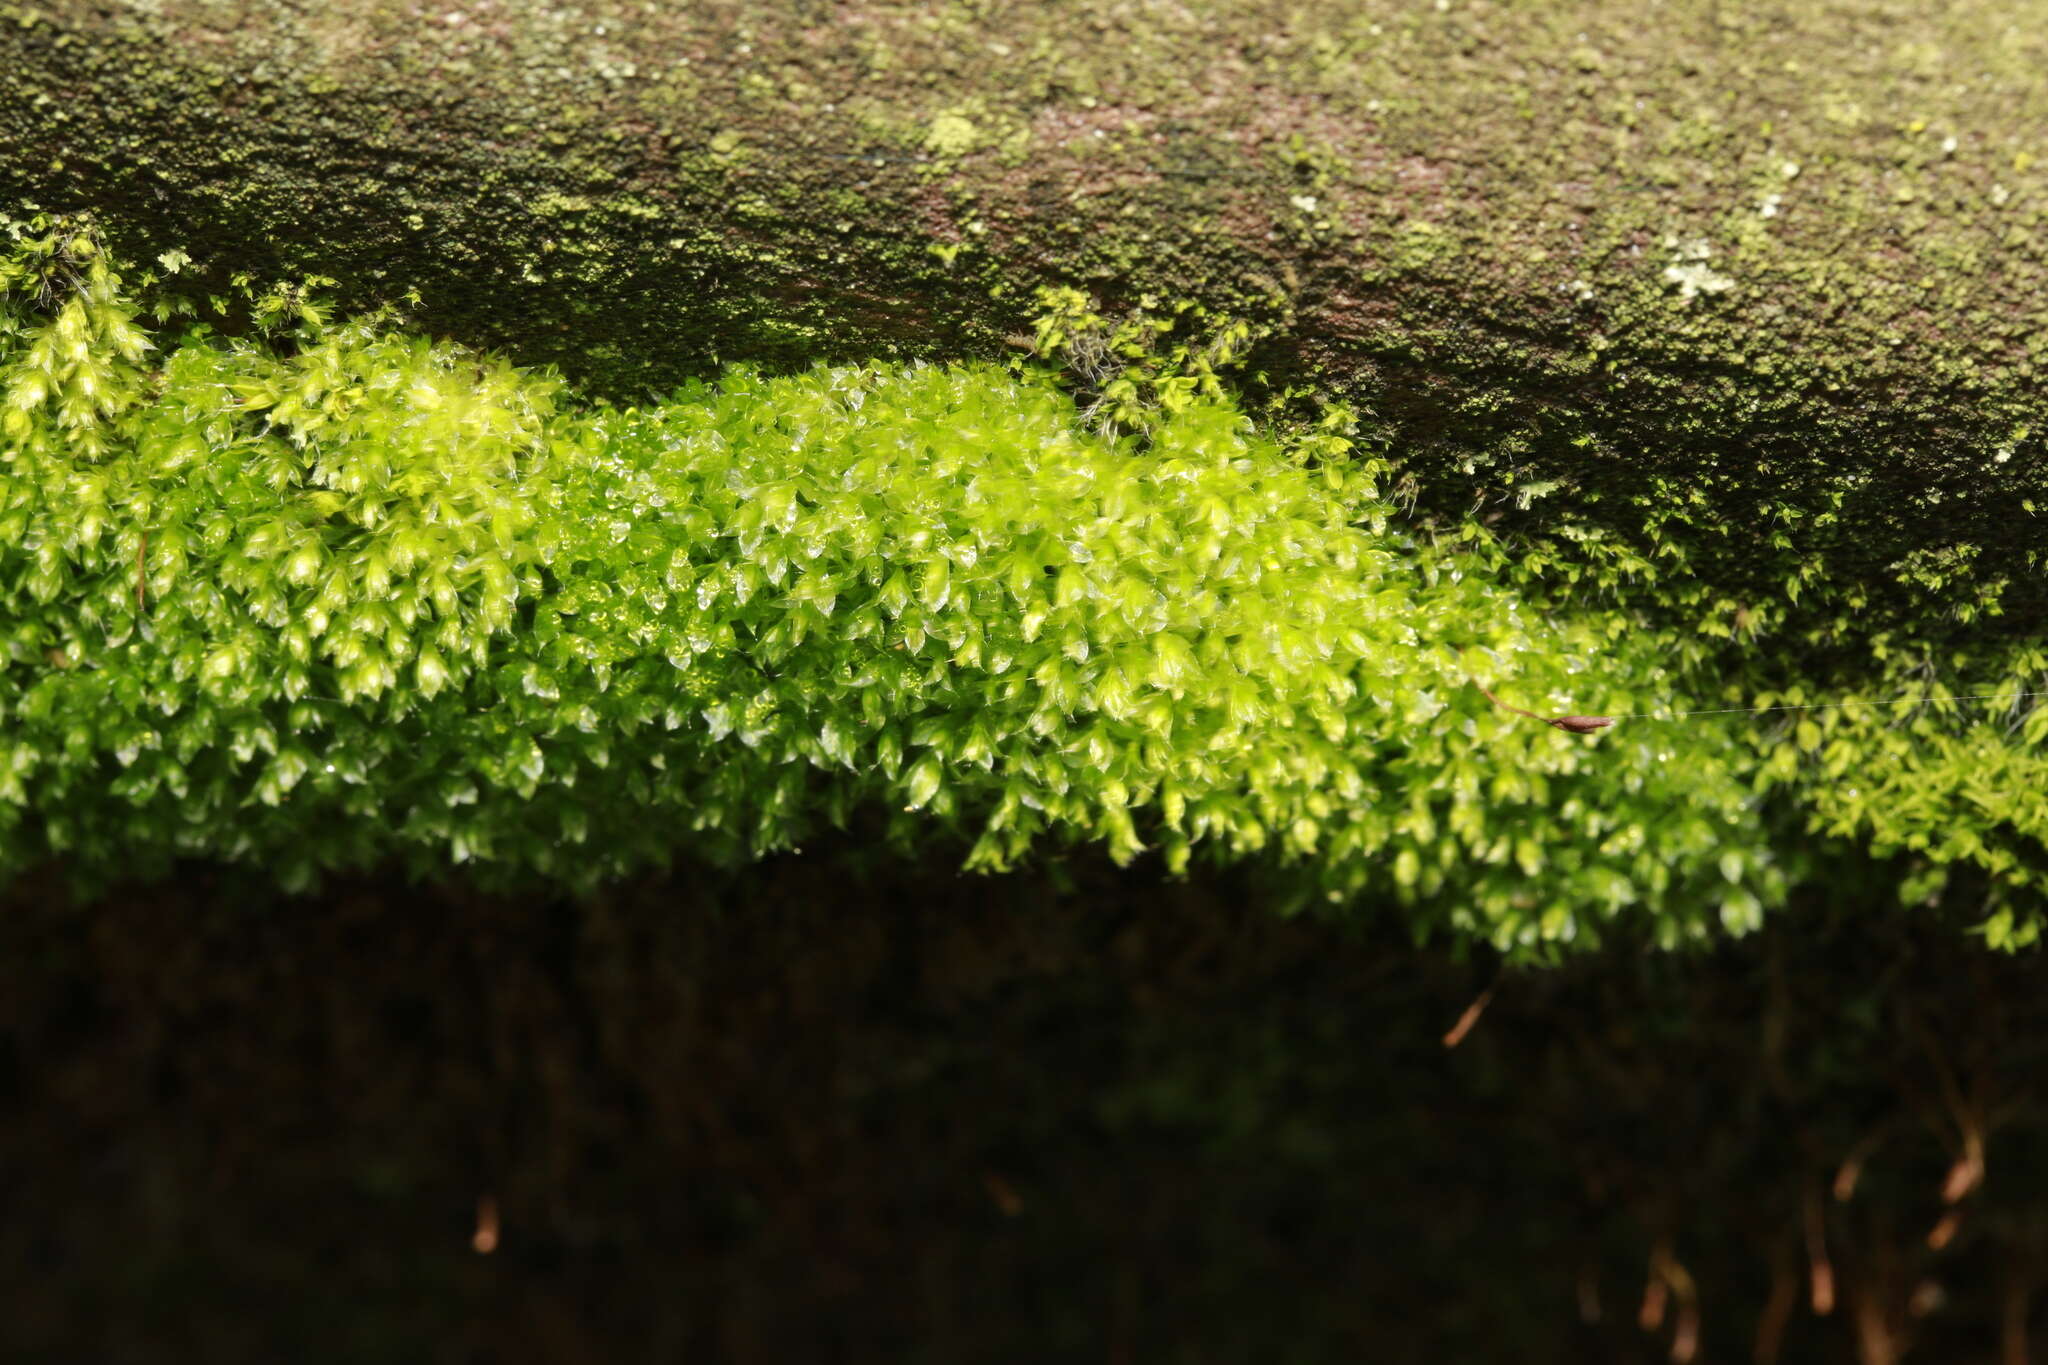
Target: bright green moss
x: 359, y: 596
x: 346, y: 595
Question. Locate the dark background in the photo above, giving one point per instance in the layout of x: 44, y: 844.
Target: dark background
x: 807, y: 1113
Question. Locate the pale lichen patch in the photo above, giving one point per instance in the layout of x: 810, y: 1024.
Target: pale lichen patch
x: 951, y: 134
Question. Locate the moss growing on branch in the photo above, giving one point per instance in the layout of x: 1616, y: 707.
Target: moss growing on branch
x: 330, y: 594
x: 349, y: 595
x: 1775, y: 269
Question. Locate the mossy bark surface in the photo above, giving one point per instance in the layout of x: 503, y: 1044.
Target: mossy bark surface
x: 1585, y: 257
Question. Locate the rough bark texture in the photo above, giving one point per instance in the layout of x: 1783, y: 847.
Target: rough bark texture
x: 1636, y: 251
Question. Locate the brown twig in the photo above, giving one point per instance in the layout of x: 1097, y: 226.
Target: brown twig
x: 1578, y: 725
x: 1822, y: 1270
x: 1651, y: 1315
x: 484, y: 1240
x: 2012, y: 1327
x: 1668, y: 1278
x: 1685, y: 1339
x: 1469, y: 1018
x: 1851, y: 1170
x: 1777, y: 1314
x: 1968, y: 1171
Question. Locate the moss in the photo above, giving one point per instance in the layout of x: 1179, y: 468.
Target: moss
x: 1784, y: 258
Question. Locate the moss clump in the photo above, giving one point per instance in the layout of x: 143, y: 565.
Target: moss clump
x: 351, y: 595
x: 330, y: 594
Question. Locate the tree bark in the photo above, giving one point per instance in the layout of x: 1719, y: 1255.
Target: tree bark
x: 1593, y: 259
